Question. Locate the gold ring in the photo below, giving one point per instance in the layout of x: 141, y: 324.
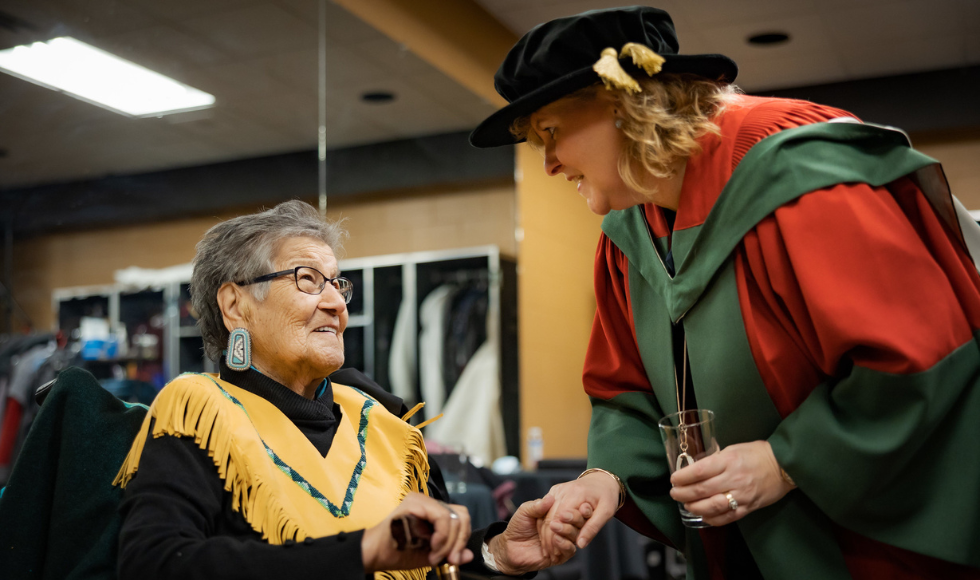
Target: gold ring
x: 731, y: 501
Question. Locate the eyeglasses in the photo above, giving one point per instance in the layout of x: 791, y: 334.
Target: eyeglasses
x: 310, y: 281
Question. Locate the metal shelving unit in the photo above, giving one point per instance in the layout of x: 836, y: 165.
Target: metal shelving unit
x: 372, y: 310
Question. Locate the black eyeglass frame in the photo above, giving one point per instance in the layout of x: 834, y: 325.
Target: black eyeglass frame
x: 346, y: 295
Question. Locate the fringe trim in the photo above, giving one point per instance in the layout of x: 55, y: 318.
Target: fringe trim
x: 415, y: 477
x: 190, y: 409
x: 413, y: 411
x: 417, y: 574
x: 428, y: 422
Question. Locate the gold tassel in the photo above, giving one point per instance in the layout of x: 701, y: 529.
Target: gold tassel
x: 643, y: 57
x: 612, y: 74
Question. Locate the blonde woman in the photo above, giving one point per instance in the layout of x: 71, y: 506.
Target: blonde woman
x: 799, y: 273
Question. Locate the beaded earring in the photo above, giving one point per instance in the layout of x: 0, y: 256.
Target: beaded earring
x: 239, y: 356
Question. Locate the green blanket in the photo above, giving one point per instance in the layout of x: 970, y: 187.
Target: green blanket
x: 58, y: 516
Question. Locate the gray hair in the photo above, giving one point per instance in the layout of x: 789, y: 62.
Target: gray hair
x: 242, y: 249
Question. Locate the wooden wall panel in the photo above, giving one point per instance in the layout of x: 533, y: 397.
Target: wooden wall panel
x: 556, y: 305
x: 405, y: 222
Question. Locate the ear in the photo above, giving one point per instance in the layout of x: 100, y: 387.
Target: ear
x: 235, y: 305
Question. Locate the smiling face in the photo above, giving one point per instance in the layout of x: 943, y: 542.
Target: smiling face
x: 581, y: 141
x: 298, y: 338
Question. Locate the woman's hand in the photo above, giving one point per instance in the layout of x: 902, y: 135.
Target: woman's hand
x: 448, y: 541
x: 595, y: 497
x: 520, y: 549
x: 748, y: 471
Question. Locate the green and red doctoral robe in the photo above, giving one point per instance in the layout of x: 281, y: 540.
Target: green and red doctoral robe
x: 831, y: 308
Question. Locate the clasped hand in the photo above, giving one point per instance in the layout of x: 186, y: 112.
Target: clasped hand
x: 748, y: 471
x: 517, y: 550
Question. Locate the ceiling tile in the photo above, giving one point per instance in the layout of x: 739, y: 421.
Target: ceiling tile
x: 178, y: 10
x: 452, y: 95
x: 532, y: 14
x: 397, y: 59
x: 720, y: 13
x: 102, y: 17
x: 792, y: 70
x: 349, y: 65
x: 225, y: 128
x: 342, y: 27
x: 258, y: 30
x: 892, y: 23
x: 239, y: 80
x: 411, y: 113
x: 291, y: 114
x: 162, y: 48
x: 25, y: 104
x: 809, y: 56
x: 912, y: 54
x: 44, y: 21
x: 347, y: 126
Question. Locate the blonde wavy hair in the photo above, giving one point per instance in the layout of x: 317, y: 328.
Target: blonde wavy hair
x: 662, y: 123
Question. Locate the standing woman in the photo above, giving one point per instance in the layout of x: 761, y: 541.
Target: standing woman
x: 801, y: 274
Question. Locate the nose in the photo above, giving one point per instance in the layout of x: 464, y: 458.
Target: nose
x: 551, y: 164
x: 332, y: 300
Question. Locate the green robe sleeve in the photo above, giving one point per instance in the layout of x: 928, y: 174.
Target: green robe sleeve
x: 895, y: 457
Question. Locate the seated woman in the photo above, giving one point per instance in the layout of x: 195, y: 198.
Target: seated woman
x: 270, y: 467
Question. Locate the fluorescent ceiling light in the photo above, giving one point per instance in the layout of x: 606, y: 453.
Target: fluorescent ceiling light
x: 93, y: 75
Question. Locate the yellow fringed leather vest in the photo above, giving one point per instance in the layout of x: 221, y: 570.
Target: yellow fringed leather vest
x: 279, y: 482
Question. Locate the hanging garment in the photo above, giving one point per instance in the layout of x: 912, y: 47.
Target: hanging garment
x: 472, y: 415
x: 433, y: 315
x: 19, y: 409
x: 466, y: 330
x: 401, y: 359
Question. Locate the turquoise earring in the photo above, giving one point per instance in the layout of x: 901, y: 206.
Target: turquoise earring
x: 239, y: 350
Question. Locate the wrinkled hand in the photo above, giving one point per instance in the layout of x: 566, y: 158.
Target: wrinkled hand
x: 595, y: 497
x: 520, y: 549
x: 748, y: 471
x: 448, y: 541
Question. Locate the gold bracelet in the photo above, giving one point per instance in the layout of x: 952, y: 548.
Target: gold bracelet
x: 619, y: 482
x: 786, y: 477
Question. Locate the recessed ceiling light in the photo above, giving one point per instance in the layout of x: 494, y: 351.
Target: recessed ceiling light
x: 769, y: 38
x: 378, y: 97
x: 103, y: 79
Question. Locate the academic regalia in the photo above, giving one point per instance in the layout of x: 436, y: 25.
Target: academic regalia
x: 831, y: 308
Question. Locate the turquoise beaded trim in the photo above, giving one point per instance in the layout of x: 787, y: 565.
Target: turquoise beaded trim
x: 344, y: 509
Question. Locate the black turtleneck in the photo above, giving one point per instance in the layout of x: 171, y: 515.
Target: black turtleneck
x: 178, y: 521
x: 316, y: 418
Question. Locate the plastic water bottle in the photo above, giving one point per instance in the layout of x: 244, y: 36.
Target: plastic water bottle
x: 535, y: 446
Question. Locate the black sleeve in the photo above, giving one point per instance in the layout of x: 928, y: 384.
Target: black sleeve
x: 176, y: 526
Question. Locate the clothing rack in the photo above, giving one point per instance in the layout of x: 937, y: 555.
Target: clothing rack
x: 378, y: 299
x: 462, y: 277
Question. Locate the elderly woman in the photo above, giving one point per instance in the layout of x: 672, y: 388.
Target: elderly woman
x: 271, y: 467
x: 799, y: 273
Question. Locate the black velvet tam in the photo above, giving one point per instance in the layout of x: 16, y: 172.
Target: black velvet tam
x: 555, y: 59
